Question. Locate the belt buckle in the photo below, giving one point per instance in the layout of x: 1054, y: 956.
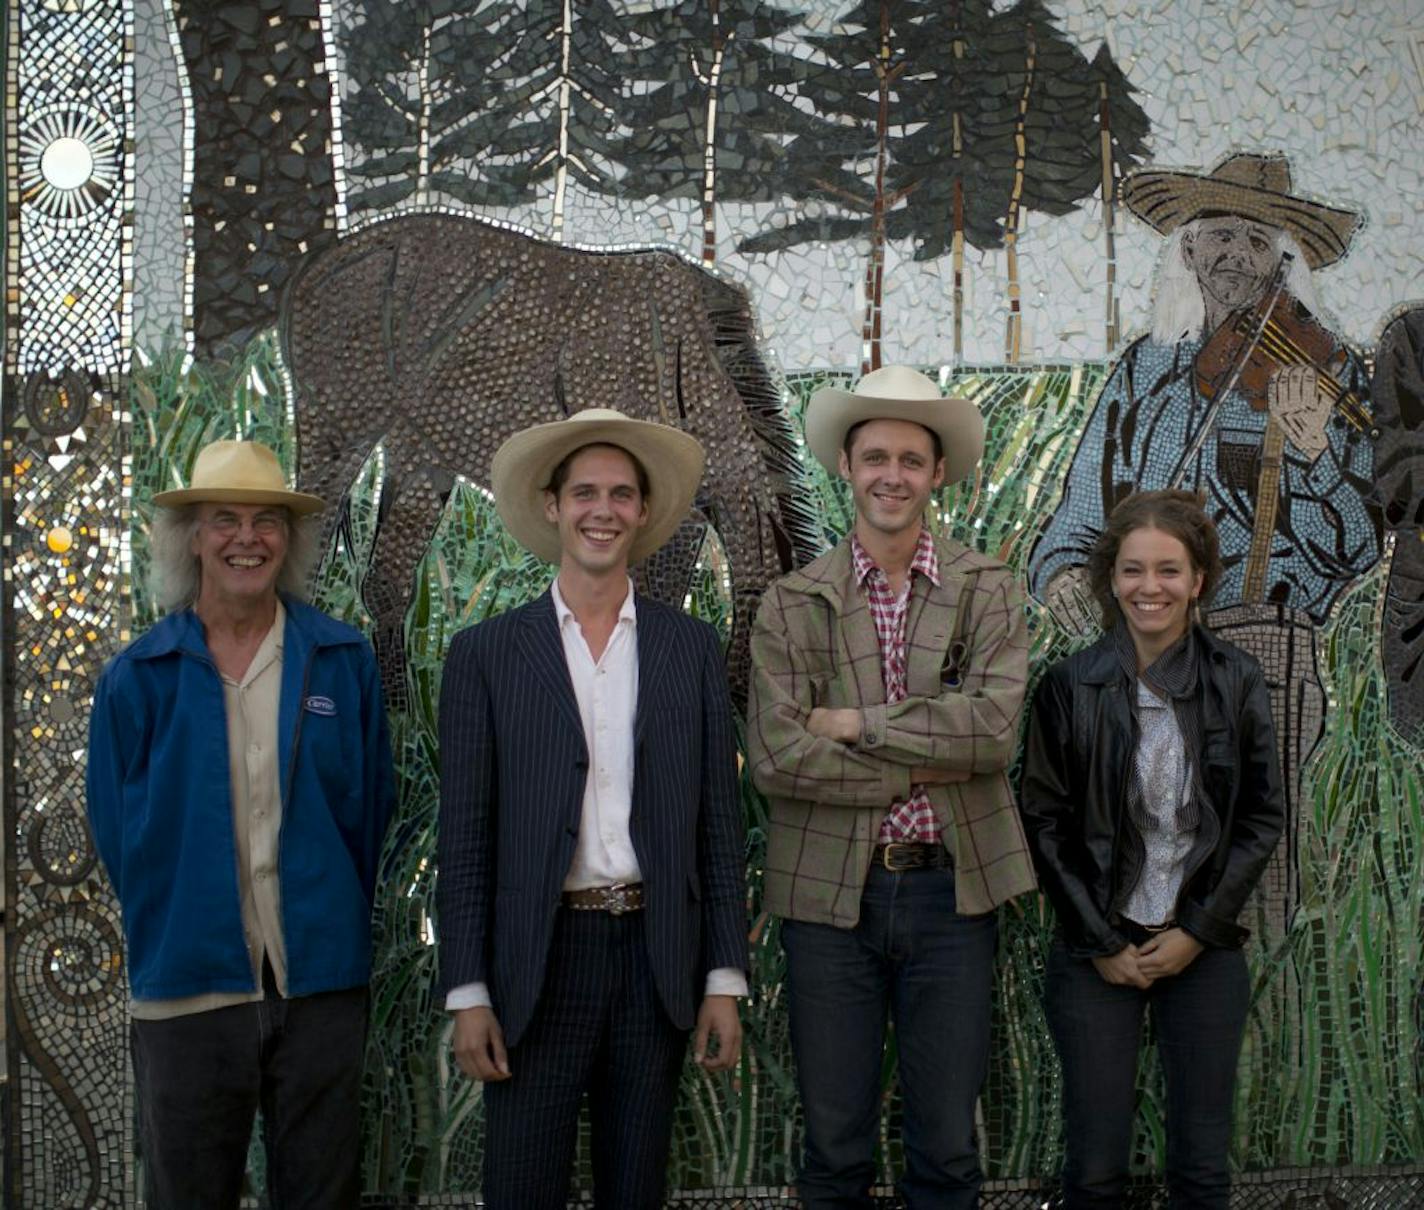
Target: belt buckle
x: 616, y: 899
x: 885, y: 854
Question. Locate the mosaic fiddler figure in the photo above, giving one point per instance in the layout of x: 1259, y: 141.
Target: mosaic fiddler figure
x: 439, y: 335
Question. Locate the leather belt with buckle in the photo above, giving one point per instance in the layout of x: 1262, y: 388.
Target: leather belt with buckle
x: 615, y: 900
x: 912, y: 855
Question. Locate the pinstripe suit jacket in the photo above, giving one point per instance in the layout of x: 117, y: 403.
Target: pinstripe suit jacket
x: 512, y: 767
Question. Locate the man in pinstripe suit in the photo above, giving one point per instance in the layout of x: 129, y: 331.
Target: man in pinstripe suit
x: 591, y: 895
x: 887, y: 680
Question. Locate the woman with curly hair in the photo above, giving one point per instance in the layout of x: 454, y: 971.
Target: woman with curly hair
x: 1152, y: 800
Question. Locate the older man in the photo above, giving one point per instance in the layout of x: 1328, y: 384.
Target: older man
x: 239, y: 787
x: 1288, y: 479
x: 887, y: 679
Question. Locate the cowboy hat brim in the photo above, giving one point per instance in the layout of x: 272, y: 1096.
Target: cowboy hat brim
x: 301, y: 503
x: 522, y: 466
x: 832, y: 412
x: 1166, y: 200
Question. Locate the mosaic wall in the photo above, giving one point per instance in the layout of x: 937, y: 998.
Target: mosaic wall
x: 352, y: 228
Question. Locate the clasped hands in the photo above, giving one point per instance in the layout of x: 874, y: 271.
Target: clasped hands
x: 1170, y: 952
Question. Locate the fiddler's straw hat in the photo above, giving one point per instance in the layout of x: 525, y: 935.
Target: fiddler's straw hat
x: 1254, y: 186
x: 239, y: 472
x: 522, y: 466
x: 896, y: 393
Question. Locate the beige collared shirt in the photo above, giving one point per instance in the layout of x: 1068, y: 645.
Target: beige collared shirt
x: 251, y: 706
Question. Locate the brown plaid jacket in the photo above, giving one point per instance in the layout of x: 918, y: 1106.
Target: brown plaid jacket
x: 814, y: 644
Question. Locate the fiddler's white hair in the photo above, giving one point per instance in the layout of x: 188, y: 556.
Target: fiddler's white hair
x: 1179, y: 310
x: 175, y: 574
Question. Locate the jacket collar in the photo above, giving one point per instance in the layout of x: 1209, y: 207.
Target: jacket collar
x: 183, y: 632
x: 1101, y: 665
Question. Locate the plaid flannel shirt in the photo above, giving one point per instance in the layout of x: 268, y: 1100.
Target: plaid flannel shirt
x: 911, y: 818
x: 814, y: 643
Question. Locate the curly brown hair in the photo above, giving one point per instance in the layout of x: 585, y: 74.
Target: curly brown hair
x: 1179, y: 513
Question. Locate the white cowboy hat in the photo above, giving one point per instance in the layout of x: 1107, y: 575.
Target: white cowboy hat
x: 896, y: 393
x: 239, y: 472
x: 522, y: 466
x: 1253, y: 186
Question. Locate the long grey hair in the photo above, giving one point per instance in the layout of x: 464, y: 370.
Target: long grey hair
x: 175, y: 574
x: 1179, y: 310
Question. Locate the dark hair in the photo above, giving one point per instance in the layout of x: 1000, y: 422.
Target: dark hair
x: 560, y: 474
x: 1178, y: 513
x: 860, y: 424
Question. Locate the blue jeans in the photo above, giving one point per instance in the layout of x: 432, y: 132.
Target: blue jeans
x: 1198, y: 1018
x: 915, y: 959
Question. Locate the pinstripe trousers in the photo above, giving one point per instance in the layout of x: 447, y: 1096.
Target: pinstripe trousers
x: 598, y: 1029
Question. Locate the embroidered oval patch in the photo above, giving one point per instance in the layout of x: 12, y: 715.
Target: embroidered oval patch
x: 318, y: 704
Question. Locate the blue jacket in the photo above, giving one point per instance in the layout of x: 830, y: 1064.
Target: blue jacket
x: 160, y: 807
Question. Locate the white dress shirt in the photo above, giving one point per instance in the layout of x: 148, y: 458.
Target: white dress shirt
x: 606, y: 690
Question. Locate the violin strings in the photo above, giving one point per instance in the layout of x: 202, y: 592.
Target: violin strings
x: 1285, y: 350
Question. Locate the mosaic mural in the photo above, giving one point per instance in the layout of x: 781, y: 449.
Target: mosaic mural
x: 383, y: 235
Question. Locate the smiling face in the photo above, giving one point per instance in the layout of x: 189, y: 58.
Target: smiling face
x: 1155, y: 584
x: 240, y: 550
x: 1233, y: 259
x: 892, y: 470
x: 599, y: 510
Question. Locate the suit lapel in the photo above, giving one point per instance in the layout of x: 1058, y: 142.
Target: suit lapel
x: 654, y: 636
x: 544, y: 649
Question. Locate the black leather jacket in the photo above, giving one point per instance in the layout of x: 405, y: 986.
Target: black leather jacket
x: 1073, y: 794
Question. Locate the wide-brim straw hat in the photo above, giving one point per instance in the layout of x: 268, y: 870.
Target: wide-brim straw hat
x: 1253, y: 186
x: 896, y: 393
x: 239, y: 472
x: 522, y: 466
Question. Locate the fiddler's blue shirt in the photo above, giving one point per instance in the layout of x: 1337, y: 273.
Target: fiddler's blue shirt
x: 160, y: 807
x: 1146, y: 418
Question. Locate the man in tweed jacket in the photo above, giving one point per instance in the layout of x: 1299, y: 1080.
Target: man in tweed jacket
x: 888, y: 677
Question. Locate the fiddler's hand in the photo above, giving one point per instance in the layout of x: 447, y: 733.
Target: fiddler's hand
x: 1300, y: 401
x: 1070, y: 601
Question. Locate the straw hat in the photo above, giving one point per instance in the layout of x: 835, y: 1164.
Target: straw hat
x: 896, y: 393
x: 239, y: 472
x: 1253, y: 186
x: 522, y: 466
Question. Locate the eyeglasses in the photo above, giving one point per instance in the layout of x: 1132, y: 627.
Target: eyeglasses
x: 263, y: 524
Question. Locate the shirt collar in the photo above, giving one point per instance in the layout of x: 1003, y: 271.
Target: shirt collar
x: 627, y: 612
x: 925, y: 559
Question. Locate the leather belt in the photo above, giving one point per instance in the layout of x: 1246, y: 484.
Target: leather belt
x: 615, y: 900
x: 912, y: 855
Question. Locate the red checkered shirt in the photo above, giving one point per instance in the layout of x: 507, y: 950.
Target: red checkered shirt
x: 913, y: 818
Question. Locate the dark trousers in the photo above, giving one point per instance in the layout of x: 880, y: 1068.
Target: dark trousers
x: 599, y: 1029
x: 915, y: 959
x: 1198, y: 1018
x: 201, y: 1078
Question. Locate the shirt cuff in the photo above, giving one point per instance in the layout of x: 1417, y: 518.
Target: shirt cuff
x: 467, y: 995
x: 726, y: 981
